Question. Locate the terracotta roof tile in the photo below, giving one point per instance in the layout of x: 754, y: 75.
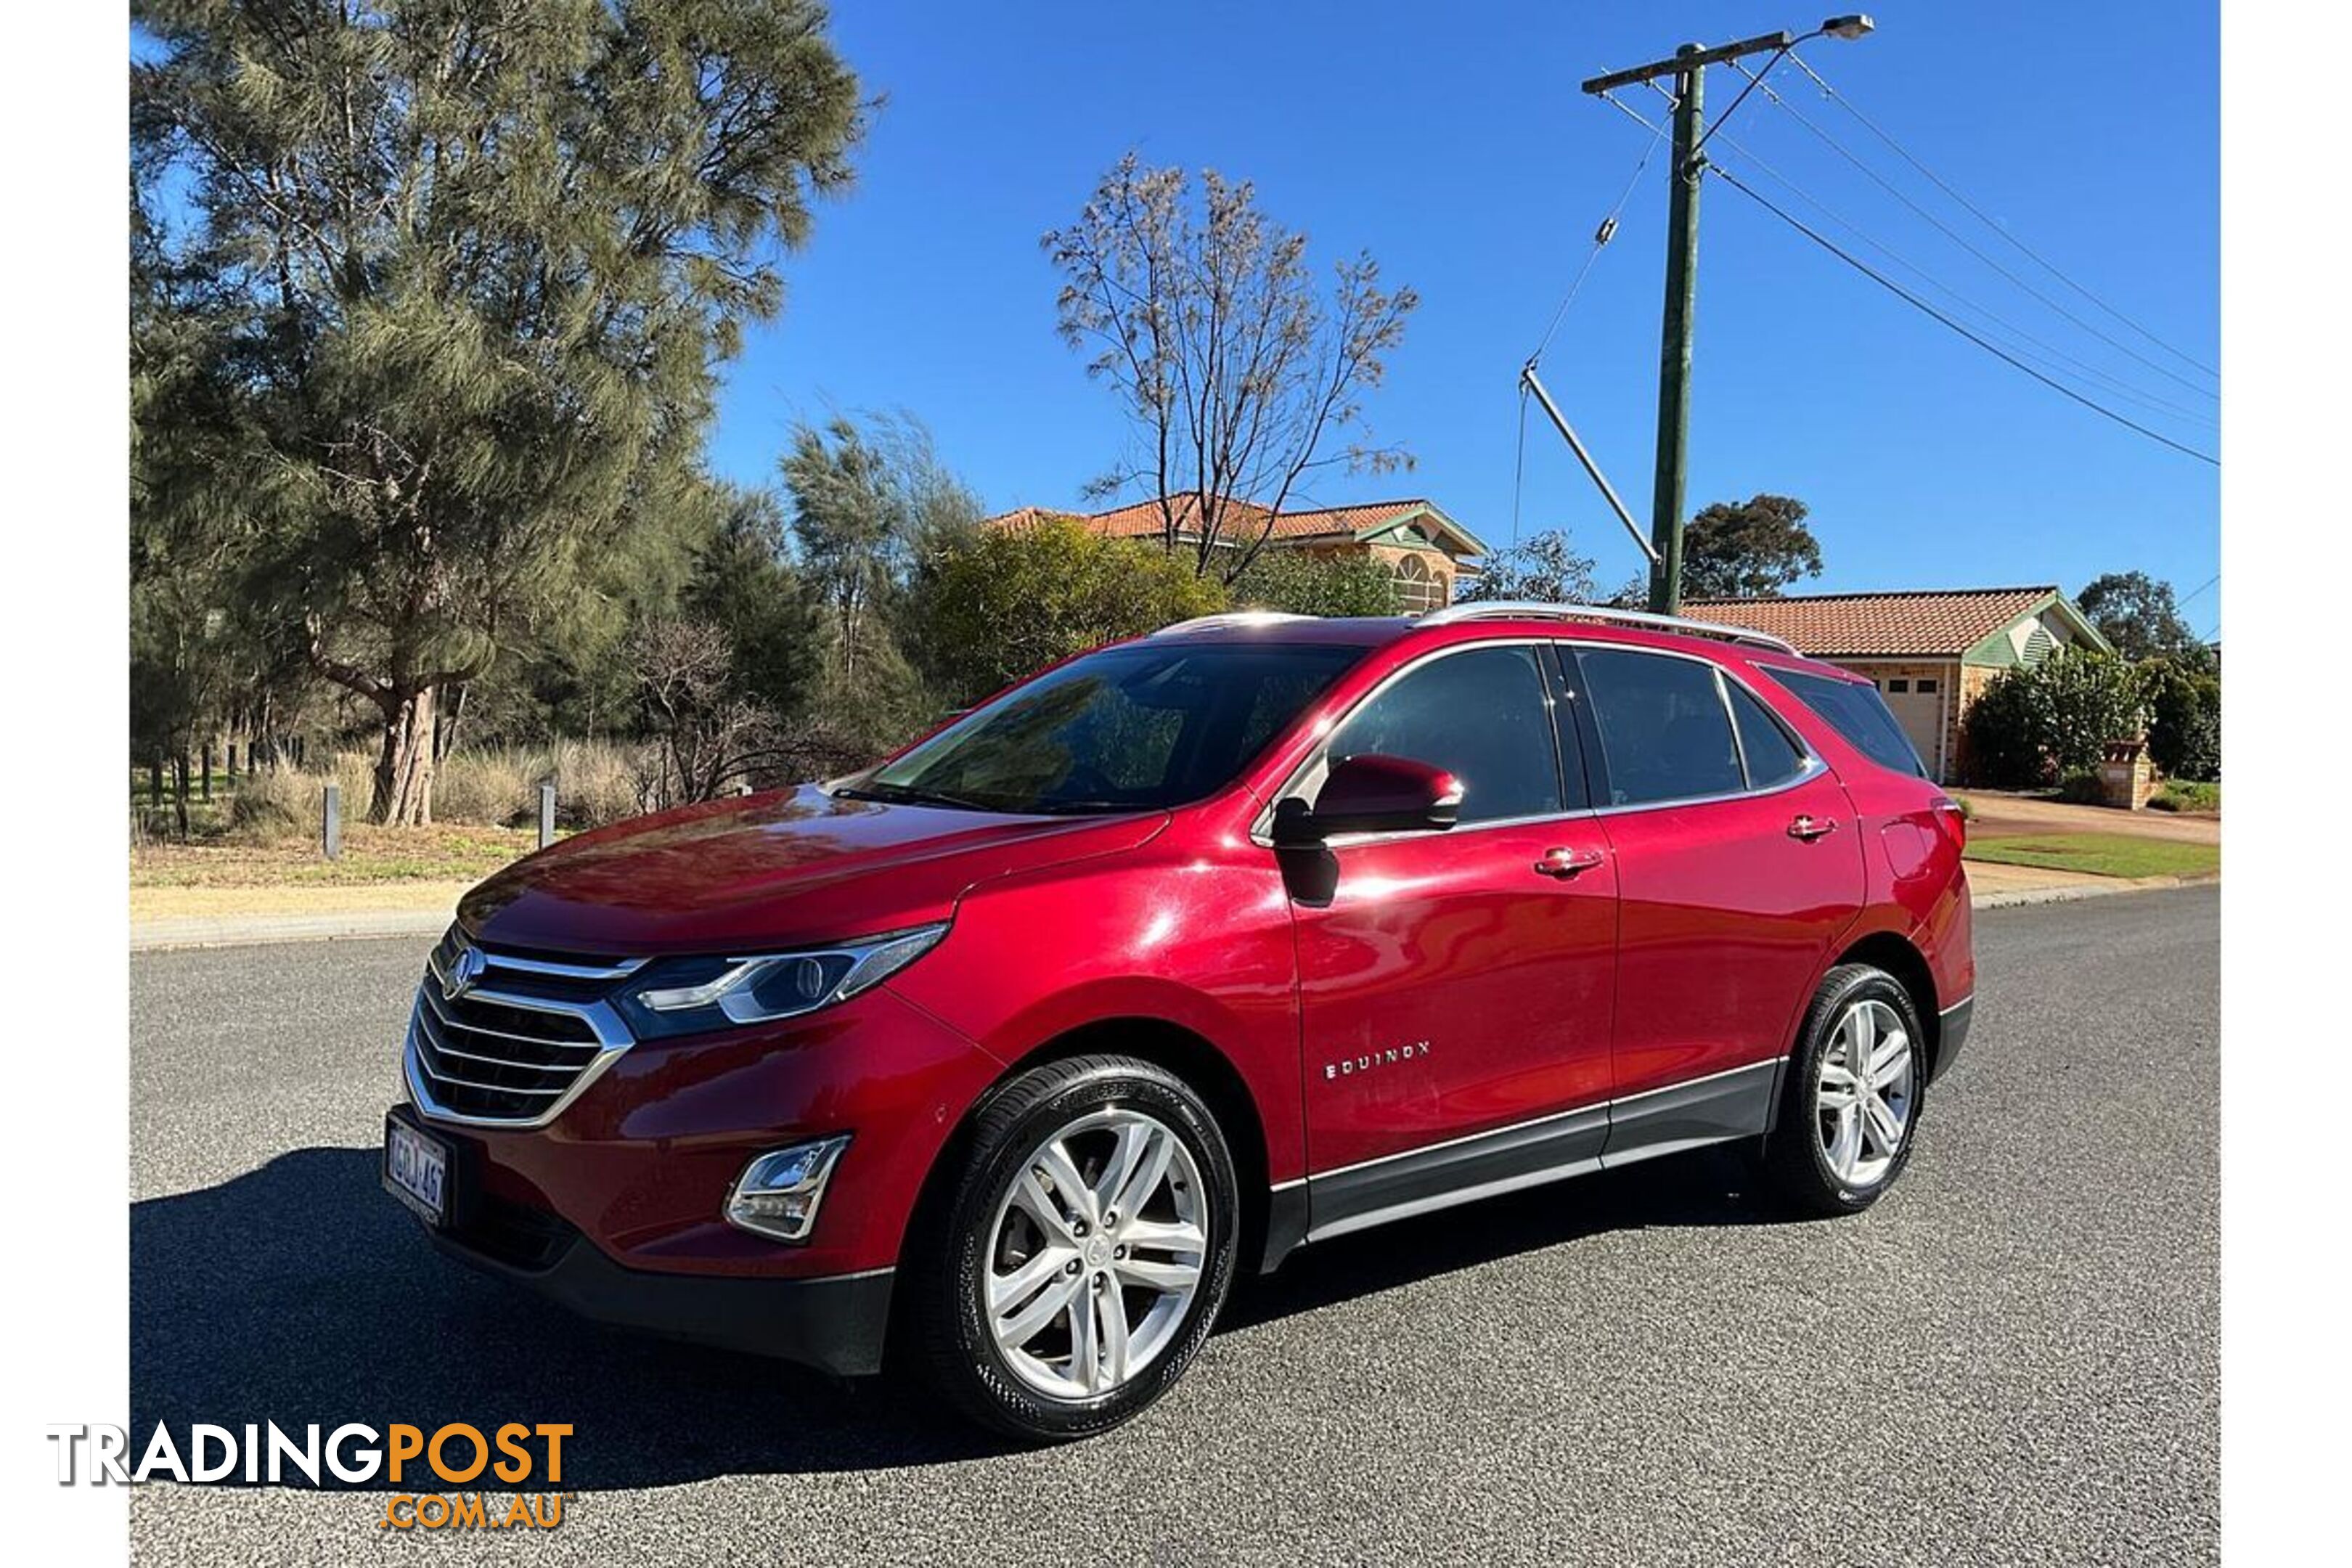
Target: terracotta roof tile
x: 1942, y: 624
x: 1141, y: 520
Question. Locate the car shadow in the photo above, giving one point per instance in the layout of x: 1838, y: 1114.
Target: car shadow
x: 300, y: 1292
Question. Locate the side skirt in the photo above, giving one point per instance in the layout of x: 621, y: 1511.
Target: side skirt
x: 1713, y: 1109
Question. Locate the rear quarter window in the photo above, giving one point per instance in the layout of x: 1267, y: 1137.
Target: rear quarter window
x: 1856, y: 711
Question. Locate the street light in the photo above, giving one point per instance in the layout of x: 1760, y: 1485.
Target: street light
x: 1847, y: 27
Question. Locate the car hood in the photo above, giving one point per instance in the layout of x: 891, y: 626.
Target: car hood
x: 777, y: 870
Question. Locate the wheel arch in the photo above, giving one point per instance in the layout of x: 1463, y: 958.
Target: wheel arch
x: 1180, y: 1051
x: 1900, y: 957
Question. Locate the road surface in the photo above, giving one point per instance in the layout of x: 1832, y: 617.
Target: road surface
x: 2011, y: 1360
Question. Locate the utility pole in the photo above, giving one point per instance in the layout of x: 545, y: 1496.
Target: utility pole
x: 1688, y: 67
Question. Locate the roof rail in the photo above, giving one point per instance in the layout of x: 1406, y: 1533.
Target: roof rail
x: 1231, y: 618
x: 1530, y: 609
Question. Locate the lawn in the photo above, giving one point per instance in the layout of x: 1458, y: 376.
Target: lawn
x: 370, y: 855
x: 2101, y: 854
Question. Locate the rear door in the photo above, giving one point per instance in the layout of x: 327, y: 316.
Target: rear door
x: 1455, y: 985
x: 1737, y: 865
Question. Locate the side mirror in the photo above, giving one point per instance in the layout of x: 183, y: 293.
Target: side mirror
x: 1372, y: 793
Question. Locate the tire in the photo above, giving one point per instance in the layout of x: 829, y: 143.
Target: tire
x: 998, y: 1321
x: 1808, y: 1156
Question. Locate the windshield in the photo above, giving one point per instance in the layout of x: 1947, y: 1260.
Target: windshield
x: 1142, y: 727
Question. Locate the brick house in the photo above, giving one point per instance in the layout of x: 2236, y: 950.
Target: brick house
x: 1932, y: 654
x: 1426, y: 551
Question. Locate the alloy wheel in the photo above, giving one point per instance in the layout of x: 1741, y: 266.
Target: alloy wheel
x: 1864, y: 1093
x: 1096, y: 1254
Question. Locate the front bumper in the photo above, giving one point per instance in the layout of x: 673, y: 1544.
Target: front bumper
x: 835, y: 1323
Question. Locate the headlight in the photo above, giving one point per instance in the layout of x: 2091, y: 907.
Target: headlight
x: 688, y: 996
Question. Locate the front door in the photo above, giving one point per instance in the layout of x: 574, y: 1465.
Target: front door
x: 1737, y: 865
x: 1455, y: 986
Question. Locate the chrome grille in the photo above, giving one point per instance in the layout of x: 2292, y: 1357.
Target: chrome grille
x: 518, y: 1041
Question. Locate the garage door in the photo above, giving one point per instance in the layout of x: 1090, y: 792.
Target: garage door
x: 1918, y: 705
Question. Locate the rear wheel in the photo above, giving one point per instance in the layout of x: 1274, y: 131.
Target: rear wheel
x: 1849, y: 1103
x: 1085, y: 1253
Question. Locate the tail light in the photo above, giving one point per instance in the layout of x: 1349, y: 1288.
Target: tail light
x: 1953, y: 818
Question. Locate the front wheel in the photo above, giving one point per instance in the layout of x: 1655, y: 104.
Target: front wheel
x: 1085, y: 1253
x: 1850, y: 1102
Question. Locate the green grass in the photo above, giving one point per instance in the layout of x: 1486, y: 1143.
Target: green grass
x: 2101, y: 854
x: 2180, y: 795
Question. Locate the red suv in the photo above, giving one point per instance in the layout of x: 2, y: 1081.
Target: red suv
x: 1013, y: 1049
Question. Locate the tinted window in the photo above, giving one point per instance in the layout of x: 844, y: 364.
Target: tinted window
x: 1772, y: 757
x: 1858, y: 712
x: 1663, y: 732
x: 1483, y: 716
x: 1147, y: 725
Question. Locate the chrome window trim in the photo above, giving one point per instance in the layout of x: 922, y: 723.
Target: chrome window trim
x: 1810, y: 767
x: 1261, y: 828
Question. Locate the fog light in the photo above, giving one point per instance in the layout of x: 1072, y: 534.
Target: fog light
x: 777, y: 1194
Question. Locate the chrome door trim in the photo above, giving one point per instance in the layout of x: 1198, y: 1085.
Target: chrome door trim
x: 1810, y: 767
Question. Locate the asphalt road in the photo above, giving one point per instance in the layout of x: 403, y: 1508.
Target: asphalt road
x: 2011, y: 1360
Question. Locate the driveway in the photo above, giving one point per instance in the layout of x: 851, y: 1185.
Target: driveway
x: 2011, y: 1360
x: 2003, y: 815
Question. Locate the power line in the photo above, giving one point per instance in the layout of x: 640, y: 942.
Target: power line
x: 1962, y: 240
x: 2116, y: 386
x: 2196, y: 590
x: 1962, y: 329
x: 1942, y: 185
x: 1601, y: 237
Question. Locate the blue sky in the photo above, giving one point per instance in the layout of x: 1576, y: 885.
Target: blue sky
x: 1452, y: 144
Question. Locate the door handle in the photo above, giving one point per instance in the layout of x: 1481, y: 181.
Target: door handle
x: 1812, y: 827
x: 1568, y: 864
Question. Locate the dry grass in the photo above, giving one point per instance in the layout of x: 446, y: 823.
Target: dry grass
x: 444, y: 852
x: 263, y: 831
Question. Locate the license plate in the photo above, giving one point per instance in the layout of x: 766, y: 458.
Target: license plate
x: 416, y: 1170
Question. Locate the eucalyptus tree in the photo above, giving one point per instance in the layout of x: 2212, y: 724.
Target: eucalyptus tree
x: 466, y: 270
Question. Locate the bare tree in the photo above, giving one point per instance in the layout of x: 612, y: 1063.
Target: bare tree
x: 1243, y: 377
x: 704, y: 736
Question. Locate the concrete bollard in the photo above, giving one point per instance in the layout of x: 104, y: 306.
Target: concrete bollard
x: 547, y: 813
x: 330, y: 827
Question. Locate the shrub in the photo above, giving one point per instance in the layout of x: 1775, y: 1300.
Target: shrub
x: 1006, y: 602
x: 596, y: 782
x: 271, y: 804
x: 2184, y: 728
x: 2036, y: 722
x: 496, y: 788
x: 2180, y: 795
x: 1307, y: 584
x: 2082, y: 788
x: 2006, y: 730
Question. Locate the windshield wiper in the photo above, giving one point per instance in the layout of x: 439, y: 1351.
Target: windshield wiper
x: 901, y: 794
